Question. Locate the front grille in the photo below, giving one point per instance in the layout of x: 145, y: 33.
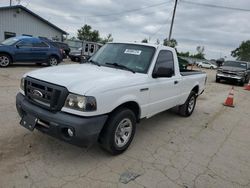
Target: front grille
x: 229, y: 72
x: 45, y: 94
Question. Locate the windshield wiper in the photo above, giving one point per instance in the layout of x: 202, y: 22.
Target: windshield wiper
x: 94, y: 62
x: 121, y: 66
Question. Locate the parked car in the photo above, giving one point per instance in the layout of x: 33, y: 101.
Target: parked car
x: 64, y: 47
x: 102, y: 100
x: 28, y: 49
x: 76, y: 55
x: 89, y: 49
x: 238, y: 71
x: 205, y: 64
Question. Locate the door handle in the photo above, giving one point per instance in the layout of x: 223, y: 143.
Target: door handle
x: 144, y: 89
x: 176, y: 82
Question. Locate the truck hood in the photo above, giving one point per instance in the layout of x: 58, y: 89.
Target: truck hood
x: 233, y: 69
x: 81, y: 78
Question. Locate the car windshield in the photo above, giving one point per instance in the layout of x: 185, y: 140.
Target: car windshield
x: 235, y: 64
x: 9, y: 41
x: 136, y: 58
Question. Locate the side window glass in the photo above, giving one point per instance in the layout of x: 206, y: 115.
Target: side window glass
x: 25, y: 44
x: 92, y: 48
x: 86, y: 48
x: 39, y: 44
x: 165, y: 59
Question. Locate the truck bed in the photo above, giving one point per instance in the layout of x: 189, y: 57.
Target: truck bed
x: 186, y: 72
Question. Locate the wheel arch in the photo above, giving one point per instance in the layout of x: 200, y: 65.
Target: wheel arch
x: 7, y: 53
x: 196, y: 89
x: 133, y: 106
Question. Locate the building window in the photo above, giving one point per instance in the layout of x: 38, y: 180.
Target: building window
x: 9, y: 35
x: 27, y: 35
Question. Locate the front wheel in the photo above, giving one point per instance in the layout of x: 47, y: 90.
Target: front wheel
x: 5, y: 60
x: 211, y: 67
x: 53, y: 61
x: 188, y: 107
x: 118, y: 131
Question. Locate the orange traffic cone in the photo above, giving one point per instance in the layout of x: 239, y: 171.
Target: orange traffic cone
x: 230, y: 99
x: 248, y: 86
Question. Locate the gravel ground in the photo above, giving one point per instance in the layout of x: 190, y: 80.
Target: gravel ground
x: 210, y: 149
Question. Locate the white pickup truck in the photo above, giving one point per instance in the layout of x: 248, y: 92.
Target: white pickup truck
x: 104, y: 99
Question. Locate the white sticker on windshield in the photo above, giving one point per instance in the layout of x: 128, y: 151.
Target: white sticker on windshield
x: 133, y: 52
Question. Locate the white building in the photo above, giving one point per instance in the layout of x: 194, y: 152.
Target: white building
x: 18, y: 20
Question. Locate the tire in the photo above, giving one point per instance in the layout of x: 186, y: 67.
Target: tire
x: 247, y: 80
x: 211, y: 68
x: 200, y: 66
x: 5, y: 60
x: 242, y: 83
x: 186, y: 110
x: 217, y: 80
x: 110, y: 138
x: 53, y: 61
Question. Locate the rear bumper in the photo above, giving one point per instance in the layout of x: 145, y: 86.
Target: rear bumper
x: 86, y: 130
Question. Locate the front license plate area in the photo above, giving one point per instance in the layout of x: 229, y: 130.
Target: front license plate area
x: 29, y: 122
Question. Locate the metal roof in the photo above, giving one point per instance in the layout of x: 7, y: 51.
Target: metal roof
x: 33, y: 14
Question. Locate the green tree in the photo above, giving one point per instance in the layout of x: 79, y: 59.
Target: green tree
x: 171, y: 43
x: 184, y: 54
x: 157, y: 42
x: 200, y: 53
x: 86, y: 33
x: 242, y: 53
x: 107, y: 39
x: 145, y: 40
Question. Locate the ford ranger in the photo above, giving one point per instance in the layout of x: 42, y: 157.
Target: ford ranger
x: 103, y: 99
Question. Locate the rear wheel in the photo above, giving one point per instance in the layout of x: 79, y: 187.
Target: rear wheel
x: 119, y: 131
x: 211, y: 67
x: 188, y: 107
x: 53, y: 61
x: 5, y: 60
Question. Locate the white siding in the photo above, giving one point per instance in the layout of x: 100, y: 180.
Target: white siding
x: 25, y: 23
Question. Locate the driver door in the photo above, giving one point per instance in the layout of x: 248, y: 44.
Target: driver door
x: 23, y: 50
x: 164, y: 92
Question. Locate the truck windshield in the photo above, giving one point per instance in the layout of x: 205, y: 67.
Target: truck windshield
x: 9, y: 41
x: 132, y: 56
x: 235, y: 64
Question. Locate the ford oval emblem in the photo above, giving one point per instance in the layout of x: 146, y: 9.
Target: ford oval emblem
x: 37, y: 93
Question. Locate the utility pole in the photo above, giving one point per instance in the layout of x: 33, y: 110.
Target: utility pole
x: 10, y: 3
x: 172, y: 22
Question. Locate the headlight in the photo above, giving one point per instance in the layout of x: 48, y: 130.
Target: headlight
x: 81, y: 103
x: 22, y: 83
x: 240, y: 73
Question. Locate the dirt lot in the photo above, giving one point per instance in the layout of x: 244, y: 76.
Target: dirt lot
x: 209, y: 149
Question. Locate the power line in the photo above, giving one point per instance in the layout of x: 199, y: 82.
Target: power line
x: 155, y: 33
x: 132, y: 10
x: 215, y: 6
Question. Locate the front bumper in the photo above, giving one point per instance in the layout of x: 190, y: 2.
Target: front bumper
x: 229, y: 77
x: 86, y: 129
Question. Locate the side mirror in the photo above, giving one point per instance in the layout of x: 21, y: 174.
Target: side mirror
x: 162, y: 72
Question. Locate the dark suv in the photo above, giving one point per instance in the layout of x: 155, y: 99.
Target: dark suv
x: 28, y: 49
x: 234, y: 70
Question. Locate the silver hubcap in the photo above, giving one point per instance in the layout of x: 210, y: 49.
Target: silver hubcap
x: 123, y: 132
x: 191, y: 104
x: 53, y: 61
x: 4, y: 61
